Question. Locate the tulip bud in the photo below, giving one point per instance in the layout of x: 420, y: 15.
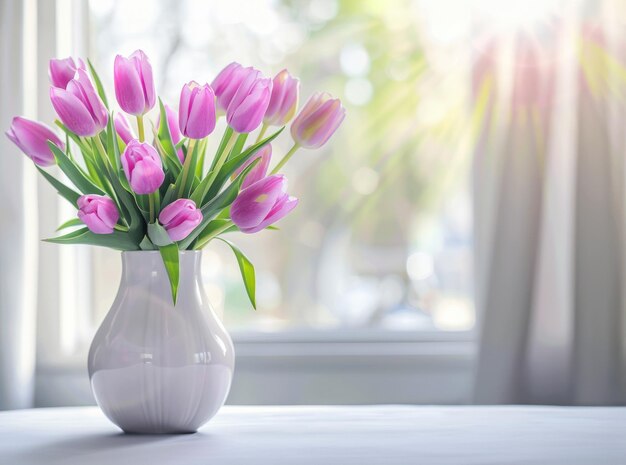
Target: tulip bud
x: 142, y: 166
x: 134, y: 85
x: 179, y: 218
x: 196, y: 111
x: 63, y: 70
x: 318, y: 120
x: 226, y: 84
x: 32, y: 138
x: 79, y: 107
x: 98, y: 212
x: 260, y: 170
x: 263, y: 203
x: 284, y: 99
x: 123, y: 128
x: 172, y: 124
x: 248, y: 106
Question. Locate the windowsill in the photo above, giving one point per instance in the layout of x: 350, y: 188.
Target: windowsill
x: 306, y: 367
x: 353, y: 343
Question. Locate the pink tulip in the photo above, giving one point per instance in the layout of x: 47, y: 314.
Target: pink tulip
x: 263, y: 203
x: 196, y: 111
x: 172, y: 124
x: 179, y: 218
x: 260, y: 170
x: 134, y: 84
x: 32, y: 138
x: 247, y: 108
x: 318, y: 120
x: 79, y: 107
x: 98, y: 212
x: 284, y: 99
x: 123, y: 128
x: 142, y: 166
x: 226, y: 84
x: 63, y: 70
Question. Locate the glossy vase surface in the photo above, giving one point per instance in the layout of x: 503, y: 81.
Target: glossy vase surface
x: 155, y: 367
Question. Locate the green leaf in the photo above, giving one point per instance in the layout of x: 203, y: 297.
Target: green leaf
x: 74, y: 174
x: 137, y: 230
x: 116, y: 240
x: 215, y: 227
x: 111, y: 144
x: 199, y: 169
x: 169, y: 197
x: 238, y: 147
x: 146, y: 244
x: 216, y: 205
x: 98, y: 83
x: 225, y: 138
x: 231, y: 166
x: 164, y: 139
x: 199, y: 190
x: 188, y: 167
x: 247, y: 271
x: 81, y: 144
x: 158, y: 235
x: 170, y: 256
x: 67, y: 193
x: 70, y: 224
x: 87, y: 153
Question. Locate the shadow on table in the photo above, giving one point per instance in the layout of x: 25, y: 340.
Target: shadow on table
x: 101, y: 446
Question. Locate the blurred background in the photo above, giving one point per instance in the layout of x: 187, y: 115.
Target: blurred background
x: 383, y: 236
x: 459, y: 240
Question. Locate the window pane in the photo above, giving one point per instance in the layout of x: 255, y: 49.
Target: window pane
x: 382, y: 237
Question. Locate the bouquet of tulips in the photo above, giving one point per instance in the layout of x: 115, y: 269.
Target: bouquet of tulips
x: 158, y: 191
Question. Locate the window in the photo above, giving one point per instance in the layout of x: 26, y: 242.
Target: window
x: 382, y: 238
x: 376, y: 259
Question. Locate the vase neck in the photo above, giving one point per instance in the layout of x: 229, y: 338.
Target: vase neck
x: 147, y: 267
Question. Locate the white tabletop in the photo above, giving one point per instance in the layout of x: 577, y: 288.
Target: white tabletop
x: 385, y: 435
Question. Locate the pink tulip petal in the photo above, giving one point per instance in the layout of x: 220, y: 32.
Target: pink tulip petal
x: 260, y: 170
x: 72, y: 112
x: 122, y: 127
x: 201, y: 119
x: 146, y: 177
x: 255, y: 202
x: 144, y: 69
x: 128, y: 86
x: 32, y: 138
x: 280, y: 210
x: 98, y: 212
x: 180, y: 218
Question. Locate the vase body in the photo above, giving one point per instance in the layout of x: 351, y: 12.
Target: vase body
x: 155, y: 367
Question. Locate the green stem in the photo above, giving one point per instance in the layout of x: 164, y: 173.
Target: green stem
x: 262, y: 133
x: 217, y: 232
x: 286, y: 158
x: 151, y: 203
x: 140, y: 129
x: 186, y: 166
x: 220, y: 162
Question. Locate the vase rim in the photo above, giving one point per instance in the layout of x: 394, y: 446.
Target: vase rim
x: 156, y: 252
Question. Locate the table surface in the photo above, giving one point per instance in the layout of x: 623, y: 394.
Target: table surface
x: 327, y: 435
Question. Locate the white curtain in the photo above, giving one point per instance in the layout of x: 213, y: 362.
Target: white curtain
x: 18, y: 245
x: 550, y: 219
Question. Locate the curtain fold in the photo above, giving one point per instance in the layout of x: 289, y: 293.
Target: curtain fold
x: 18, y: 246
x: 551, y: 290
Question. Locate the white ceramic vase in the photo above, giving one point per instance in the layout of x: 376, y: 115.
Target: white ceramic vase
x: 155, y: 367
